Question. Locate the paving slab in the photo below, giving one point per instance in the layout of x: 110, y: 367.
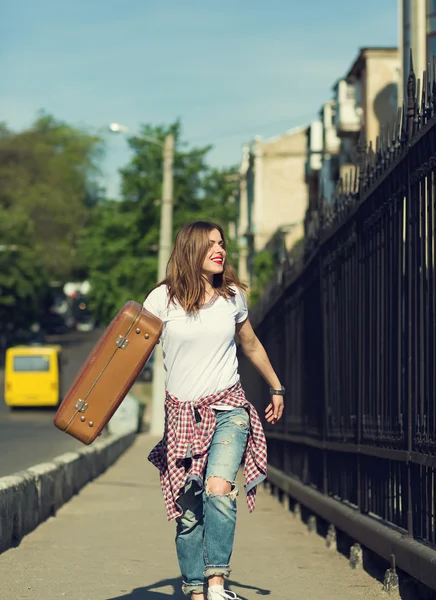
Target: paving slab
x: 112, y: 542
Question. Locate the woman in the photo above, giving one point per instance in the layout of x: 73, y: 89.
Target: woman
x: 210, y: 427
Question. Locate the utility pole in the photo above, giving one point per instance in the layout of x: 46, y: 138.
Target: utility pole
x: 165, y: 243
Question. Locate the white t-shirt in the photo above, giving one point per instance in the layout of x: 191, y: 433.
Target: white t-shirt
x: 199, y: 349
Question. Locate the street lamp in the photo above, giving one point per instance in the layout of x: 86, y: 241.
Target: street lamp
x: 165, y: 242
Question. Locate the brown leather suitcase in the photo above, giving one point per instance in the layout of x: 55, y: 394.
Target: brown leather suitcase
x: 109, y: 372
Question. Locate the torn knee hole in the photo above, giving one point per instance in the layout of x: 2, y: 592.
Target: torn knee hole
x: 218, y: 486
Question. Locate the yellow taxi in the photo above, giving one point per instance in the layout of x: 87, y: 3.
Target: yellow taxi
x: 33, y: 376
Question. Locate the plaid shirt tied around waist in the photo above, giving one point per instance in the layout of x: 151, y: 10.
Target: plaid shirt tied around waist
x: 183, y: 433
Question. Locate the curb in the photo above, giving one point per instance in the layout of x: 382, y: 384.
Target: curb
x: 29, y: 497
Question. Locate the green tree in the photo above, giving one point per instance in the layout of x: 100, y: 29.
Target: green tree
x: 265, y: 263
x: 47, y: 188
x: 263, y: 267
x: 22, y: 278
x: 121, y: 243
x: 49, y: 173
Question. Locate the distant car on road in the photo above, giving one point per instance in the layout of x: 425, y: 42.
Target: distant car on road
x: 82, y: 315
x: 57, y: 317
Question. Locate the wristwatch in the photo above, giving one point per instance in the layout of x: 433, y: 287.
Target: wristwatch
x: 274, y: 392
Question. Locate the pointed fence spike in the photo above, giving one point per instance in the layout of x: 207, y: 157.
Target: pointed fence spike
x: 381, y: 156
x: 417, y: 115
x: 378, y: 153
x: 355, y: 182
x: 373, y: 161
x: 411, y: 102
x: 370, y: 162
x: 404, y: 125
x: 396, y: 133
x: 361, y: 156
x: 367, y: 168
x: 366, y: 171
x: 388, y: 138
x: 424, y: 88
x: 387, y: 144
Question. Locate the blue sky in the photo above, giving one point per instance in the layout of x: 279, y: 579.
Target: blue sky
x: 229, y: 70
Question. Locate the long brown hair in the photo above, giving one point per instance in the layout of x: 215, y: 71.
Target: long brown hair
x: 184, y: 271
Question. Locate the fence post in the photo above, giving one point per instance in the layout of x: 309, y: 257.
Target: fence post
x: 411, y: 114
x: 324, y: 321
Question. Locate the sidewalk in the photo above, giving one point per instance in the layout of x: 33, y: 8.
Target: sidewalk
x: 113, y: 542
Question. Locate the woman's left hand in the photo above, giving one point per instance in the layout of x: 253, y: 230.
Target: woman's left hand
x: 274, y: 410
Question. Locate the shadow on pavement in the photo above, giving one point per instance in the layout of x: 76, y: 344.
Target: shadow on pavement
x: 151, y: 592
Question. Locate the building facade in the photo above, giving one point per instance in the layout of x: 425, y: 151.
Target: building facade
x: 366, y: 98
x: 273, y: 196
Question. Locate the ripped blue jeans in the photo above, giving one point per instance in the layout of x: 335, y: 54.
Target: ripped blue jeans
x: 206, y: 529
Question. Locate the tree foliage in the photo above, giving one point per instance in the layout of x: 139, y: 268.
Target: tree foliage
x: 48, y: 172
x: 120, y: 245
x: 265, y: 264
x: 22, y: 278
x: 264, y: 268
x: 55, y: 224
x: 47, y: 187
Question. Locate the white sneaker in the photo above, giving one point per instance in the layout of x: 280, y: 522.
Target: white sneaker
x: 219, y: 593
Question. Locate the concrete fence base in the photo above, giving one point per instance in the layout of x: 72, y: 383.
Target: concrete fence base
x: 29, y: 497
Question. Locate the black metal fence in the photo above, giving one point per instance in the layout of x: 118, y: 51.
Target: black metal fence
x: 352, y: 336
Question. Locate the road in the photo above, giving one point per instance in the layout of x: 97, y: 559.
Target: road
x: 28, y: 437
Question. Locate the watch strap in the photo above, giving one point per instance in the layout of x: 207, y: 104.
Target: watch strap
x: 274, y: 392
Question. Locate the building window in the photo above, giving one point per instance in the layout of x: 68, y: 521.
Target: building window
x: 350, y: 92
x: 331, y: 116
